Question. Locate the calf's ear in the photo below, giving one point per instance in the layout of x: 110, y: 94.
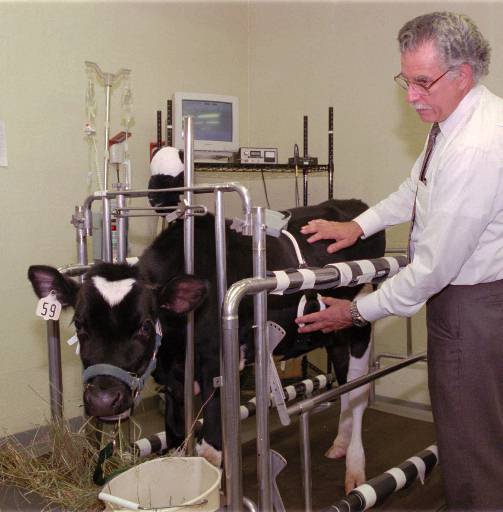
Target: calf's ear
x: 45, y: 279
x: 183, y: 294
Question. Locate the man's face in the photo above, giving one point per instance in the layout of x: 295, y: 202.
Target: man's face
x: 424, y: 66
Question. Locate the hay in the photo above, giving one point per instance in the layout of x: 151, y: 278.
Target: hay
x: 60, y: 468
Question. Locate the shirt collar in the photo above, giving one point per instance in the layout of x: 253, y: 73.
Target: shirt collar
x: 462, y: 111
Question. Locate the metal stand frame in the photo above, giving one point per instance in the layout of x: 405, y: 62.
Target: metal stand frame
x: 258, y: 286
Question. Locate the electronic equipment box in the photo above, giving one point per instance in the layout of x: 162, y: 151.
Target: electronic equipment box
x: 258, y: 155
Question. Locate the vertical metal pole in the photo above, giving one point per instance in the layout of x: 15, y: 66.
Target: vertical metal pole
x: 372, y: 366
x: 230, y: 410
x: 159, y: 129
x: 55, y: 375
x: 108, y: 86
x: 188, y: 241
x: 169, y: 123
x: 122, y: 222
x: 305, y: 458
x: 261, y: 365
x: 107, y: 230
x: 221, y: 267
x: 330, y: 152
x: 305, y: 167
x: 81, y: 237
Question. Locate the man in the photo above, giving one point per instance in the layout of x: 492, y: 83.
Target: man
x: 454, y: 196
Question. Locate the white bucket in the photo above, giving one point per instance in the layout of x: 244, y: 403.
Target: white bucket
x: 165, y: 484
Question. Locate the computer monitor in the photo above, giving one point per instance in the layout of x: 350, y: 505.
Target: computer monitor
x: 215, y: 122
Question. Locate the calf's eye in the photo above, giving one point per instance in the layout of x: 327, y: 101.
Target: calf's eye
x: 146, y: 328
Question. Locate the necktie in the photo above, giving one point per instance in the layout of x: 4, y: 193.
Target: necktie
x: 432, y: 137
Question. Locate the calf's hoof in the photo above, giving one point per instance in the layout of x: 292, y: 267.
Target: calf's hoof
x: 337, y: 450
x: 353, y: 480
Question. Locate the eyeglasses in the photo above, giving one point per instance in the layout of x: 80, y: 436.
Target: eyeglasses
x: 421, y: 88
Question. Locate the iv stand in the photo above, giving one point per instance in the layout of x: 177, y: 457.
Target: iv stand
x: 109, y: 79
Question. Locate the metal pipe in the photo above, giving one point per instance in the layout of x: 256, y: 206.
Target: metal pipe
x: 169, y: 123
x: 310, y: 403
x: 80, y: 234
x: 122, y: 228
x: 330, y: 152
x: 106, y: 246
x: 188, y: 241
x: 221, y: 267
x: 231, y: 413
x: 108, y: 86
x: 305, y: 167
x: 55, y: 374
x: 249, y: 504
x: 261, y: 364
x: 305, y: 458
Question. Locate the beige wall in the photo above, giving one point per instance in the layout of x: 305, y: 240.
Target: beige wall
x: 168, y: 47
x: 283, y: 60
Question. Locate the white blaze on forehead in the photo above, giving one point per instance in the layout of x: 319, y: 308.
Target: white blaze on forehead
x: 113, y: 291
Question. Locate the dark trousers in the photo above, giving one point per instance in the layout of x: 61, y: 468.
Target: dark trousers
x: 465, y: 377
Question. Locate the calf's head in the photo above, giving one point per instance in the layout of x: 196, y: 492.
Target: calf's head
x: 115, y: 318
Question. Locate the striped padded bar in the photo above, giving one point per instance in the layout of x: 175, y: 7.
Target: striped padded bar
x: 375, y: 270
x: 377, y: 489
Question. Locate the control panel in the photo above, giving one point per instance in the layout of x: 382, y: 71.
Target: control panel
x: 258, y: 155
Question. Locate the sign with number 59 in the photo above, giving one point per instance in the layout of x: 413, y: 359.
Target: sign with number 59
x: 49, y: 308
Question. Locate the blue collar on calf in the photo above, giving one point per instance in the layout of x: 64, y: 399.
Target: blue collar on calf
x: 135, y: 384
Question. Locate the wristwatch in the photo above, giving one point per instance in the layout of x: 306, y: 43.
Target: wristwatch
x: 357, y: 319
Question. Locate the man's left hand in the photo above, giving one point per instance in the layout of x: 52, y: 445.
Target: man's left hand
x: 335, y: 317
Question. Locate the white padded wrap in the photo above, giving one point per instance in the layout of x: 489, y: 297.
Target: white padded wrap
x: 368, y: 271
x: 290, y: 392
x: 309, y: 278
x: 144, y: 447
x: 309, y: 386
x: 399, y: 477
x: 420, y: 466
x: 283, y: 281
x: 369, y: 494
x: 345, y: 272
x: 322, y: 379
x: 433, y: 449
x: 393, y: 266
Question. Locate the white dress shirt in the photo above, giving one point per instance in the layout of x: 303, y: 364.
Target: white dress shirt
x: 458, y: 232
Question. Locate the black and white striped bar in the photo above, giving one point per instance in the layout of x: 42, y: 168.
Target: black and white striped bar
x: 297, y: 390
x: 156, y: 443
x: 352, y: 273
x: 376, y: 490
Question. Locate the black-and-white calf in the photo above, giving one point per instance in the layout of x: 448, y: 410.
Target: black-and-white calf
x: 117, y: 307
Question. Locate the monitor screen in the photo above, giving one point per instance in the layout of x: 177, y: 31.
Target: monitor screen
x: 212, y: 119
x: 215, y: 122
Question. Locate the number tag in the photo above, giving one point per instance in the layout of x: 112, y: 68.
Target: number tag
x: 49, y: 308
x: 74, y: 340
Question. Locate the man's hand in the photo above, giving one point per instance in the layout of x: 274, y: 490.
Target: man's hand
x: 345, y: 233
x: 335, y: 317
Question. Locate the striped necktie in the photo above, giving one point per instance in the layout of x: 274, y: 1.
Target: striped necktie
x: 432, y: 137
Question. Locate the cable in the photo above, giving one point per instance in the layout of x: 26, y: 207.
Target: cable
x: 296, y: 163
x: 265, y: 189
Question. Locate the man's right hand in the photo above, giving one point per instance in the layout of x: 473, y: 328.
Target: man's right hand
x: 345, y: 234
